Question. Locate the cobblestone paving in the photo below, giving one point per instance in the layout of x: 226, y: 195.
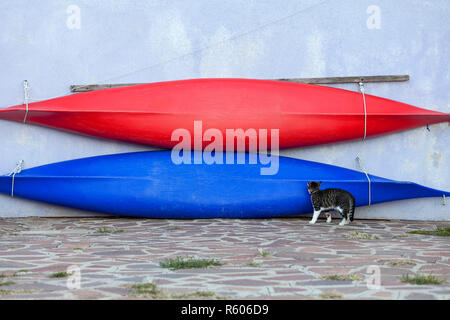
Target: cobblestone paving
x: 262, y: 259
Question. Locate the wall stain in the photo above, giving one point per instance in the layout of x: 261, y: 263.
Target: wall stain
x: 436, y: 157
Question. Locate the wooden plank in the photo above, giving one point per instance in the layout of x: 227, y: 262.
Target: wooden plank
x: 334, y: 80
x: 329, y: 80
x: 92, y: 87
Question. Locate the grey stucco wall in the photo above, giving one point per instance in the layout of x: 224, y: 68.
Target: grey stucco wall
x: 56, y: 43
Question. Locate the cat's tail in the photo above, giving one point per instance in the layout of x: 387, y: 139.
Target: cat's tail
x: 351, y: 212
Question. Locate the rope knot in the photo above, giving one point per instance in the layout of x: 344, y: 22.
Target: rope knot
x: 361, y: 87
x: 18, y: 169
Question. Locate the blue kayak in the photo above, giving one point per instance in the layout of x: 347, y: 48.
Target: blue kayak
x: 150, y: 184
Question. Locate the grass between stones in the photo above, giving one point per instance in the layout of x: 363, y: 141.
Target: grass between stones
x: 263, y: 253
x: 253, y: 264
x: 4, y: 292
x: 342, y: 277
x: 173, y: 228
x: 189, y: 263
x: 106, y: 230
x: 399, y: 236
x: 421, y: 279
x: 14, y: 292
x: 333, y: 295
x: 151, y: 290
x: 363, y: 236
x: 147, y: 290
x: 15, y: 274
x: 197, y: 295
x: 441, y: 232
x: 60, y: 274
x: 8, y: 292
x: 399, y: 263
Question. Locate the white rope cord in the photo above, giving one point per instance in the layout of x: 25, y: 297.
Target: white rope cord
x: 26, y: 98
x: 361, y: 168
x: 18, y: 169
x: 358, y: 159
x: 361, y: 88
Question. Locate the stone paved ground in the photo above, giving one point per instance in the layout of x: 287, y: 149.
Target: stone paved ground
x: 270, y: 258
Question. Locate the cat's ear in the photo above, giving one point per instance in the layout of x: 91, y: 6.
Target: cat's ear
x: 319, y: 183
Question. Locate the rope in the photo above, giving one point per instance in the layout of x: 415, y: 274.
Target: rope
x: 18, y: 169
x: 358, y: 159
x: 368, y: 178
x: 361, y: 88
x: 26, y: 98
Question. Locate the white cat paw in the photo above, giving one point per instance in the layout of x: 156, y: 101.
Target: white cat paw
x: 312, y: 222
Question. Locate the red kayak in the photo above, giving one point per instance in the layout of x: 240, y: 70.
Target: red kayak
x: 149, y: 113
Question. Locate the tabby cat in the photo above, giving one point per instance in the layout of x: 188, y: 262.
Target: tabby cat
x: 331, y: 199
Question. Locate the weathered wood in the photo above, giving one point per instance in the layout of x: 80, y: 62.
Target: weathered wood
x: 92, y: 87
x: 329, y: 80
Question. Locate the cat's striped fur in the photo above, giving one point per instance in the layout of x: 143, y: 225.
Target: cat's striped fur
x: 331, y: 199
